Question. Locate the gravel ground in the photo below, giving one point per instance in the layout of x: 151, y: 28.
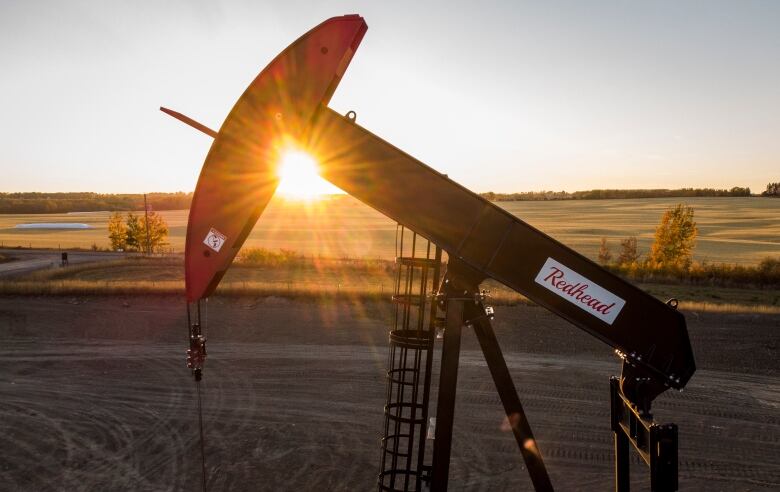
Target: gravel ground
x: 94, y: 395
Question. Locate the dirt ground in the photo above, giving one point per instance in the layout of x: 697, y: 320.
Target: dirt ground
x: 94, y: 395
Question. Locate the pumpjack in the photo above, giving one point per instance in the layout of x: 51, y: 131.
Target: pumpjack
x: 288, y: 102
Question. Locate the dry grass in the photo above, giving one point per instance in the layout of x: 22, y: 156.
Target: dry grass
x: 123, y: 269
x: 312, y: 290
x: 731, y: 230
x: 294, y: 276
x: 764, y: 275
x: 82, y: 287
x: 709, y: 307
x: 174, y: 287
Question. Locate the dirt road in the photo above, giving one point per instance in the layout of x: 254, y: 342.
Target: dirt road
x: 94, y: 395
x: 29, y: 260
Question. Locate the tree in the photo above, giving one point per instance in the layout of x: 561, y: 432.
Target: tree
x: 136, y: 232
x: 738, y: 191
x: 117, y: 232
x: 158, y: 232
x: 675, y: 238
x: 628, y: 253
x: 772, y: 189
x: 604, y: 254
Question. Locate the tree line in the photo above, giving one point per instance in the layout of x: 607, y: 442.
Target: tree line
x: 616, y: 194
x: 772, y: 189
x: 54, y: 203
x: 58, y: 203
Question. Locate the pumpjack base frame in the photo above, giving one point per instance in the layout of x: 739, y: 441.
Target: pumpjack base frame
x: 655, y: 443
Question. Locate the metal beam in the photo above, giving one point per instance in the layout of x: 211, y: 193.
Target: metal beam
x: 515, y: 413
x: 445, y: 407
x: 496, y: 244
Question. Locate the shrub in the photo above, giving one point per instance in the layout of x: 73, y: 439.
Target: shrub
x: 266, y: 257
x: 628, y: 252
x: 604, y: 254
x: 765, y: 275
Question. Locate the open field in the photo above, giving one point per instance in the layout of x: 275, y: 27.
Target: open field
x: 731, y: 230
x: 323, y: 277
x: 96, y: 397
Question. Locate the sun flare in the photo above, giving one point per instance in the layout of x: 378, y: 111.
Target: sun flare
x: 299, y: 177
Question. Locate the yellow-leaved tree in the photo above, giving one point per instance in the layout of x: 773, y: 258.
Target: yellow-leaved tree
x: 137, y: 228
x: 675, y: 238
x: 131, y: 234
x: 117, y: 232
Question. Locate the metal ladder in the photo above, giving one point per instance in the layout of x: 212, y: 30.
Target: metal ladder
x: 403, y: 445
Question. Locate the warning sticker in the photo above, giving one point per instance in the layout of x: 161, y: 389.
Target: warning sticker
x: 214, y: 240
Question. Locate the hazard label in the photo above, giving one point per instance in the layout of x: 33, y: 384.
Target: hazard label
x: 214, y: 240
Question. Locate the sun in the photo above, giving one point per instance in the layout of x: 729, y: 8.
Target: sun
x: 299, y: 177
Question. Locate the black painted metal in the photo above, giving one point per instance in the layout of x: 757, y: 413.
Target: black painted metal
x: 622, y: 467
x: 409, y: 364
x: 448, y: 382
x: 655, y: 443
x: 495, y: 243
x: 426, y: 468
x: 516, y: 417
x: 486, y: 241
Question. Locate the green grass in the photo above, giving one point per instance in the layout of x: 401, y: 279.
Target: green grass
x: 731, y: 230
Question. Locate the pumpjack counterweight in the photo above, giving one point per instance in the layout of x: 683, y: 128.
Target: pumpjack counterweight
x: 287, y: 102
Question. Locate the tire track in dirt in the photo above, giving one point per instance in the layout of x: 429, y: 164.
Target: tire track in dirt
x: 111, y: 410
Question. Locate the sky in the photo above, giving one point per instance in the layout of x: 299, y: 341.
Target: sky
x: 501, y: 96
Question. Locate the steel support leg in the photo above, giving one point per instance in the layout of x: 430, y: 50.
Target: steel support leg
x: 445, y: 408
x: 622, y: 468
x: 508, y: 393
x: 663, y: 458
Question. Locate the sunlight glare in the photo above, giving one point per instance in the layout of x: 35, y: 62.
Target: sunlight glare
x: 299, y: 177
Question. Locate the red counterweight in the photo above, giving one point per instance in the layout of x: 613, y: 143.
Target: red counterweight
x: 239, y: 175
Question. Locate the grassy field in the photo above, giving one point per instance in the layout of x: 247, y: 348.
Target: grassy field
x: 731, y: 230
x: 322, y: 277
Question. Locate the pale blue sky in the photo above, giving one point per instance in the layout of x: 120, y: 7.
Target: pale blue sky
x: 506, y: 96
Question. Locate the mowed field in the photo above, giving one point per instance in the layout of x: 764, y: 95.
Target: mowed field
x: 731, y: 230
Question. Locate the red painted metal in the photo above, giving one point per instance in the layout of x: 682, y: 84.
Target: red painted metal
x: 186, y: 119
x: 239, y: 175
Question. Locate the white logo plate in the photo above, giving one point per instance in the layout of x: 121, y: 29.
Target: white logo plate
x: 578, y: 290
x: 214, y: 240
